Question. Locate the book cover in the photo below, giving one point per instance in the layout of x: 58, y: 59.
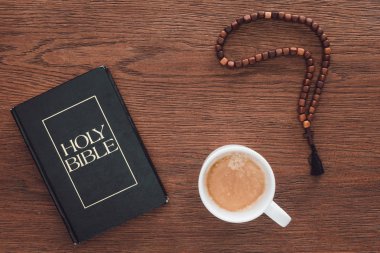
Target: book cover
x: 89, y: 154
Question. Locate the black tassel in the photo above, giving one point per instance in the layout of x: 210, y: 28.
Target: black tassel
x: 314, y: 160
x: 316, y: 163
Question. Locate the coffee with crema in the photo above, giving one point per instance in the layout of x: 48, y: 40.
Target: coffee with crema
x: 235, y: 182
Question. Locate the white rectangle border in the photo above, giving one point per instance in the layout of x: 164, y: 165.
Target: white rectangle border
x: 68, y: 174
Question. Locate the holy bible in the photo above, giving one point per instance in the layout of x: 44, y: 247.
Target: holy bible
x: 89, y: 154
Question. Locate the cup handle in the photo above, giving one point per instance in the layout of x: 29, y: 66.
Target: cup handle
x: 276, y: 213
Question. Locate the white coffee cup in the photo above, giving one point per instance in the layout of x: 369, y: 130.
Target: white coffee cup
x: 264, y: 204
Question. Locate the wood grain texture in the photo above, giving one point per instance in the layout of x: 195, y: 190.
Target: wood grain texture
x: 185, y: 105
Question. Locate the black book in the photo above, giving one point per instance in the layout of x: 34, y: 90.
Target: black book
x: 89, y: 154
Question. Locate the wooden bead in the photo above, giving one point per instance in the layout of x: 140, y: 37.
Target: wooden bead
x: 228, y: 29
x: 223, y: 34
x: 309, y: 21
x: 323, y: 37
x: 223, y: 61
x: 252, y: 60
x: 286, y: 50
x: 234, y: 25
x: 314, y: 26
x: 245, y: 62
x: 303, y: 95
x: 218, y: 47
x: 309, y: 75
x: 319, y: 31
x: 293, y: 51
x: 281, y: 15
x: 295, y: 18
x: 254, y: 16
x: 327, y: 50
x: 265, y: 55
x: 238, y: 64
x: 307, y: 54
x: 310, y: 116
x: 322, y: 78
x: 306, y: 124
x: 301, y: 109
x: 258, y: 57
x: 268, y: 15
x: 311, y: 68
x: 300, y: 51
x: 320, y: 84
x: 231, y: 64
x: 311, y: 109
x: 326, y: 43
x: 306, y: 82
x: 325, y: 64
x: 302, y: 117
x: 240, y: 20
x: 271, y: 54
x: 305, y: 88
x: 309, y: 62
x: 288, y: 17
x: 324, y: 71
x: 326, y: 57
x: 247, y: 18
x: 316, y: 97
x: 301, y: 102
x: 302, y: 19
x: 220, y: 55
x: 274, y: 15
x: 318, y: 90
x: 314, y: 103
x: 260, y: 14
x: 220, y: 41
x: 278, y: 51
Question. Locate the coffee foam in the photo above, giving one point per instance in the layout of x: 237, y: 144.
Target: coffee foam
x: 235, y: 182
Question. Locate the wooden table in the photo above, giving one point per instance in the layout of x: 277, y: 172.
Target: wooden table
x: 161, y: 54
